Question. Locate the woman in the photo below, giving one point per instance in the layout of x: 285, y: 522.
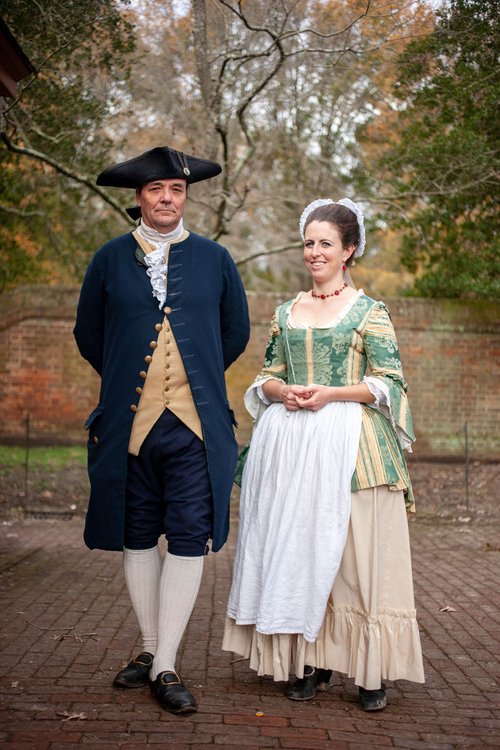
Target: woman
x: 322, y: 576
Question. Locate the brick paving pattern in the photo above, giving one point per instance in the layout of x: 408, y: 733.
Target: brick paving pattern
x: 66, y: 627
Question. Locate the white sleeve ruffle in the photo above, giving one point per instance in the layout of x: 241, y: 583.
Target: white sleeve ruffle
x: 382, y: 403
x: 255, y: 400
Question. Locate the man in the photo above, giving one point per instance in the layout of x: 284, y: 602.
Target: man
x: 162, y: 314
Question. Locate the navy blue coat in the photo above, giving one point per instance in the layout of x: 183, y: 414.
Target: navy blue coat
x: 115, y: 323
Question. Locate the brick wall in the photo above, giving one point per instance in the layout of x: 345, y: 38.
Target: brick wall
x: 450, y: 352
x: 42, y: 373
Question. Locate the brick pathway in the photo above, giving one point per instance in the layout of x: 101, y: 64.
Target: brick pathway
x: 66, y: 627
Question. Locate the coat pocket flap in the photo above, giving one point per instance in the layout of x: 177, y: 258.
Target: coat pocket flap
x: 93, y: 416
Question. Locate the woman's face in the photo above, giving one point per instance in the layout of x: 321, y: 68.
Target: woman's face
x: 323, y: 251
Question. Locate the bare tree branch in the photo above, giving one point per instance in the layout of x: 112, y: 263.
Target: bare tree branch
x: 38, y: 68
x: 22, y: 214
x: 53, y: 139
x: 265, y: 253
x: 444, y: 189
x: 201, y: 49
x: 63, y: 169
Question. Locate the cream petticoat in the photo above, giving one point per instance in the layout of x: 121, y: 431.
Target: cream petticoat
x: 370, y: 630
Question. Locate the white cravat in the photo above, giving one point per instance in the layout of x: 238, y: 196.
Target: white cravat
x: 156, y: 261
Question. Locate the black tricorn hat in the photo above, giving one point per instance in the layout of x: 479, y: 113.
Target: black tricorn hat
x: 160, y: 163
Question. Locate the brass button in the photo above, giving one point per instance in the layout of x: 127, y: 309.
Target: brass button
x: 158, y: 327
x: 167, y: 330
x: 143, y: 374
x: 153, y: 344
x: 95, y: 439
x: 168, y: 354
x: 167, y: 377
x: 138, y: 390
x: 148, y: 358
x: 167, y: 366
x: 167, y: 402
x: 167, y: 388
x: 133, y: 407
x: 167, y: 310
x: 167, y: 341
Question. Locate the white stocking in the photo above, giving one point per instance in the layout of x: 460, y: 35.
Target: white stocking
x: 142, y: 569
x: 179, y: 586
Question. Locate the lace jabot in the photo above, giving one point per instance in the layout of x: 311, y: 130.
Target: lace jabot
x: 156, y: 261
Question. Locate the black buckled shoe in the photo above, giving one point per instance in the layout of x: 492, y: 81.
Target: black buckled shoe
x: 172, y: 695
x: 373, y: 700
x: 304, y: 688
x: 136, y: 673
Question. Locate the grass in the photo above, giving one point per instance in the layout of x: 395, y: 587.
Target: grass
x: 48, y: 457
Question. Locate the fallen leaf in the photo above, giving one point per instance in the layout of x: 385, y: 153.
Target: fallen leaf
x: 68, y: 717
x: 447, y: 609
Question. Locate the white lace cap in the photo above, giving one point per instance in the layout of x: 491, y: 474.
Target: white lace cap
x: 348, y: 203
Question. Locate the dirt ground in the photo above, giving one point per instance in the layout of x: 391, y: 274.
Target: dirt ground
x: 440, y: 490
x: 44, y: 493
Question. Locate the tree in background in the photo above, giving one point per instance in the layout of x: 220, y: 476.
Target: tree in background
x: 436, y: 150
x: 275, y: 92
x: 54, y: 138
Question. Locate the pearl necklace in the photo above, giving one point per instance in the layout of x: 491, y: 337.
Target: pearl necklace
x: 333, y: 294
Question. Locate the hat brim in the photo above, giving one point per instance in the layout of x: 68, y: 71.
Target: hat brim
x: 161, y: 163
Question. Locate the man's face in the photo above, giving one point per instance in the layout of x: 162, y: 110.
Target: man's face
x: 162, y: 203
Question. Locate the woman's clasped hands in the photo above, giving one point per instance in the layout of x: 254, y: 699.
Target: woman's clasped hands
x: 312, y: 397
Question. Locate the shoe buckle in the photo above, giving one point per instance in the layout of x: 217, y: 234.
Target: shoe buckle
x: 166, y: 678
x: 142, y: 663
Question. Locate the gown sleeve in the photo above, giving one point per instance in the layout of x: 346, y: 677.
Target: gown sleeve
x: 385, y: 365
x: 273, y: 368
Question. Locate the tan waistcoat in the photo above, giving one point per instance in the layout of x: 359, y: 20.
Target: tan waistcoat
x: 165, y: 381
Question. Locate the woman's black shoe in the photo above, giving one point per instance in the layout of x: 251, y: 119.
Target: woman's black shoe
x: 304, y: 688
x: 373, y: 700
x: 136, y: 673
x: 172, y: 695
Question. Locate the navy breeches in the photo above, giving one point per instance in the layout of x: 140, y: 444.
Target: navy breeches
x: 168, y: 491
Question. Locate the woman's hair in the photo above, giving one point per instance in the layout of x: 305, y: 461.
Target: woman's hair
x: 343, y: 219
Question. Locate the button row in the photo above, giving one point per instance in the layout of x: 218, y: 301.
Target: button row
x: 148, y: 359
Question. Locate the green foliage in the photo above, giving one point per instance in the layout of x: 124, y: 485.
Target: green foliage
x: 442, y: 165
x: 80, y: 51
